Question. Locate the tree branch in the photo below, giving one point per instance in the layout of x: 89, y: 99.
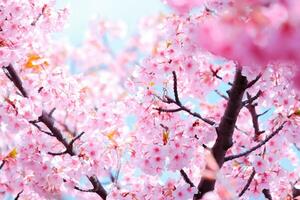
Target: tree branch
x: 47, y: 119
x: 35, y: 123
x: 76, y: 138
x: 11, y: 73
x: 168, y: 110
x: 97, y: 187
x: 267, y: 194
x: 184, y: 108
x: 252, y: 110
x: 261, y: 114
x: 18, y: 195
x: 221, y: 95
x: 58, y: 154
x: 225, y: 129
x: 252, y: 99
x: 181, y: 107
x: 215, y: 74
x: 296, y: 192
x: 251, y: 83
x: 2, y: 164
x: 175, y: 89
x: 186, y: 178
x: 248, y: 183
x: 231, y: 157
x: 49, y: 122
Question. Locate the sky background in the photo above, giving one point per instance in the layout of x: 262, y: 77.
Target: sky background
x: 82, y: 11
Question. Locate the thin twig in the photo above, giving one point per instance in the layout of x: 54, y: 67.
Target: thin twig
x: 215, y: 74
x: 97, y: 187
x: 261, y: 114
x: 76, y: 138
x: 35, y: 123
x: 251, y: 83
x: 254, y: 116
x: 186, y: 178
x: 248, y: 183
x: 267, y: 194
x: 228, y: 158
x: 18, y: 195
x: 2, y: 164
x: 11, y: 73
x: 83, y: 190
x: 221, y: 95
x: 251, y: 99
x: 195, y: 114
x: 49, y: 122
x: 176, y: 101
x: 58, y: 154
x: 175, y: 89
x: 168, y: 110
x: 51, y: 112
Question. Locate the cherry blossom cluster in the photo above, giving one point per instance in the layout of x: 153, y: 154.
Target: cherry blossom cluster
x: 194, y: 106
x: 165, y: 119
x: 25, y: 26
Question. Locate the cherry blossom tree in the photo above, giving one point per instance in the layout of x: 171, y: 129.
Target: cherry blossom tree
x: 197, y: 105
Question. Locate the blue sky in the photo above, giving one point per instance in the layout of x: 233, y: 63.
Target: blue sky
x: 130, y: 11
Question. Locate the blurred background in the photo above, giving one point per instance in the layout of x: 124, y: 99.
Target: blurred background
x: 83, y: 11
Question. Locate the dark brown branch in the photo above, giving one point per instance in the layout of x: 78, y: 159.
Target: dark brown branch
x: 228, y: 158
x: 18, y: 195
x: 11, y: 73
x: 51, y: 112
x: 254, y: 116
x: 215, y: 74
x: 2, y: 164
x: 58, y: 154
x: 267, y: 194
x: 251, y: 83
x: 221, y: 95
x: 169, y: 100
x: 261, y: 114
x: 248, y: 183
x: 55, y: 132
x: 97, y: 187
x: 168, y: 110
x: 225, y: 129
x: 49, y: 122
x: 195, y: 114
x: 45, y: 117
x: 226, y: 98
x: 76, y: 138
x: 35, y: 123
x: 83, y: 190
x: 175, y: 89
x: 250, y: 99
x: 186, y: 178
x: 296, y: 192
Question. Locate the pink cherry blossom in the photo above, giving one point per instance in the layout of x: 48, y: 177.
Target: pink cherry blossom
x: 196, y: 105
